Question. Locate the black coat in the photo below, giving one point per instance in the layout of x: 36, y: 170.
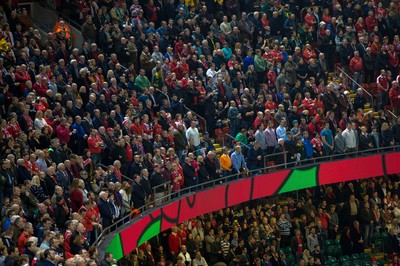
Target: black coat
x: 138, y: 195
x: 23, y: 174
x: 60, y: 216
x: 345, y: 243
x: 188, y: 172
x: 105, y: 212
x: 355, y: 236
x: 51, y: 183
x: 211, y: 166
x: 364, y: 143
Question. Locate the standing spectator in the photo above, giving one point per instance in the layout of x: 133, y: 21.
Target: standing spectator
x: 238, y: 162
x: 157, y: 181
x: 284, y: 226
x: 138, y: 193
x: 193, y: 133
x: 327, y: 140
x: 357, y: 238
x: 96, y: 146
x: 89, y: 31
x: 394, y: 95
x: 356, y: 67
x: 383, y: 89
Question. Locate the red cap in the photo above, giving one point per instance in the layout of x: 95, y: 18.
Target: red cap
x: 376, y: 37
x: 110, y: 129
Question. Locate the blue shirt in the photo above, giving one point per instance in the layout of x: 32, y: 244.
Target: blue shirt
x: 281, y: 132
x: 237, y: 160
x: 80, y: 131
x: 328, y: 136
x: 308, y: 147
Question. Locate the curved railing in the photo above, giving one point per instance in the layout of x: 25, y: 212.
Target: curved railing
x: 130, y: 232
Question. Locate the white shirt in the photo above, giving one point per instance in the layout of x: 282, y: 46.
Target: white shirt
x: 350, y: 138
x: 193, y: 133
x: 211, y: 73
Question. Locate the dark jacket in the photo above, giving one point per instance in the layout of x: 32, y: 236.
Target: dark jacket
x: 105, y: 212
x: 189, y: 174
x: 156, y: 180
x: 138, y: 195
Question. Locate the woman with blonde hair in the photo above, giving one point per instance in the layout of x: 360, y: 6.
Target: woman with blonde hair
x: 126, y: 192
x: 39, y: 122
x: 37, y: 190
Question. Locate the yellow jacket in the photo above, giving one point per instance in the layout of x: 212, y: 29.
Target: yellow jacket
x: 225, y: 162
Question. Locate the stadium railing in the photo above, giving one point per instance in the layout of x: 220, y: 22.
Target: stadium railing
x: 118, y: 226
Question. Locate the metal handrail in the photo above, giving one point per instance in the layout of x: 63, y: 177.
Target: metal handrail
x: 273, y: 155
x: 106, y: 167
x: 197, y: 115
x: 392, y: 114
x: 166, y: 95
x: 364, y: 90
x: 168, y: 184
x: 231, y: 178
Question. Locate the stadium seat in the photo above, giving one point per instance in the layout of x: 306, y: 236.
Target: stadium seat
x: 329, y: 242
x: 365, y: 256
x: 331, y: 251
x: 377, y: 235
x: 338, y: 250
x: 357, y: 263
x: 288, y: 251
x: 355, y: 257
x: 291, y: 260
x: 384, y: 235
x: 344, y: 258
x: 378, y: 246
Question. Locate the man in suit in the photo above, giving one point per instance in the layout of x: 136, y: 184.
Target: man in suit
x: 105, y: 209
x: 22, y: 172
x: 138, y: 194
x: 51, y: 180
x: 189, y: 173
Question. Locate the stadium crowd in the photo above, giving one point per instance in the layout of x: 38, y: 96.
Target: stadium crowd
x: 90, y: 133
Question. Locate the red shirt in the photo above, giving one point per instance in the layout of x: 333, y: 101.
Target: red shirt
x: 182, y: 236
x: 371, y: 22
x: 356, y: 64
x: 173, y: 243
x: 136, y: 129
x: 393, y: 59
x: 129, y: 153
x: 308, y: 54
x: 271, y: 105
x: 92, y: 141
x: 394, y: 96
x: 13, y: 129
x: 22, y: 241
x: 317, y: 144
x: 375, y: 48
x: 383, y: 81
x: 63, y: 133
x: 271, y: 78
x: 310, y: 20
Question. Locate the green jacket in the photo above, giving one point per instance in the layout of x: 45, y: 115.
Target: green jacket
x: 142, y: 82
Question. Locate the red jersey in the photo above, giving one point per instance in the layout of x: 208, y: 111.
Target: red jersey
x: 173, y: 243
x: 356, y: 64
x: 384, y: 82
x: 317, y: 144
